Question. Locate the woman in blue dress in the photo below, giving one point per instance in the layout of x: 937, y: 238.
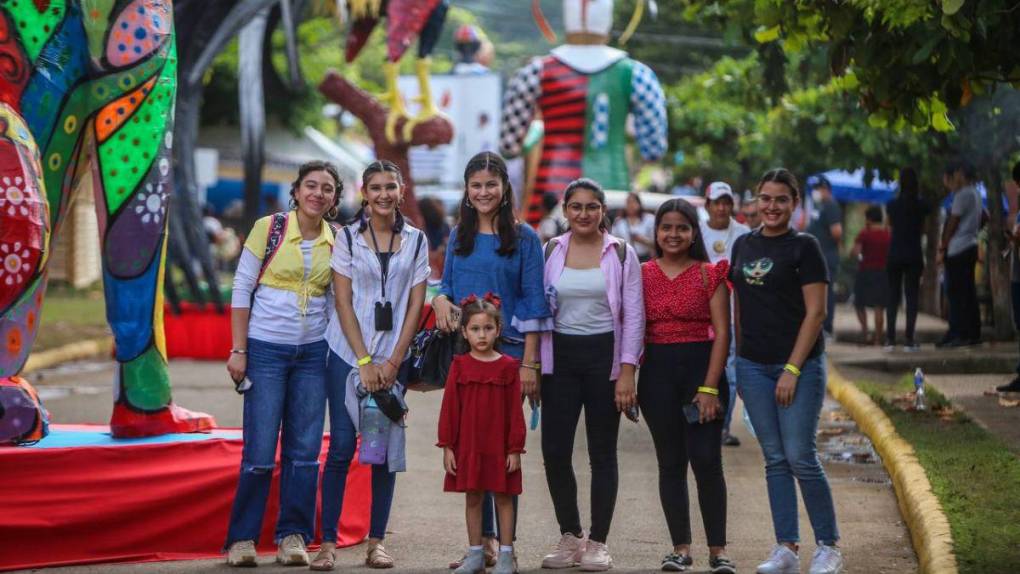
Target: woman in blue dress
x: 490, y: 251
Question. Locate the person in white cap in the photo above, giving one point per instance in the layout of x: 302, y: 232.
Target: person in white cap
x: 719, y: 234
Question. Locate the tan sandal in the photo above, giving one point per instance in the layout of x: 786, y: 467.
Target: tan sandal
x: 324, y: 561
x: 378, y: 558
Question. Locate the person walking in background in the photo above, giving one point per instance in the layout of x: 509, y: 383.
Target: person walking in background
x: 718, y: 234
x: 490, y: 251
x: 380, y: 269
x: 826, y: 224
x: 780, y: 279
x: 482, y: 432
x: 1014, y: 283
x: 905, y: 263
x: 588, y: 363
x: 687, y: 334
x: 749, y: 209
x: 551, y: 224
x: 958, y: 250
x: 871, y: 286
x: 278, y: 326
x: 636, y: 227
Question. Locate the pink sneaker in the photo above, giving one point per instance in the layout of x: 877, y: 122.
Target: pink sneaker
x: 567, y: 553
x: 596, y: 558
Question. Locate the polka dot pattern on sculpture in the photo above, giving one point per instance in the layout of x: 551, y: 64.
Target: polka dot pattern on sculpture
x: 141, y: 27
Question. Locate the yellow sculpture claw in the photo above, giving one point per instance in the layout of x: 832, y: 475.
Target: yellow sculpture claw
x: 428, y: 110
x: 394, y: 101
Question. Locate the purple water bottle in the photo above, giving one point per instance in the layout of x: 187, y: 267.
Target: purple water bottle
x: 375, y: 432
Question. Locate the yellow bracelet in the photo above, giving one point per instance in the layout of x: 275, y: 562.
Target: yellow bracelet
x: 364, y: 360
x: 709, y: 391
x: 792, y: 369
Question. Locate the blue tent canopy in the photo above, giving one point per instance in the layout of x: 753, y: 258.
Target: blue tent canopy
x: 849, y: 186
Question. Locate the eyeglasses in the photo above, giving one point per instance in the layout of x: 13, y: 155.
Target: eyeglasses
x: 579, y: 208
x: 780, y: 200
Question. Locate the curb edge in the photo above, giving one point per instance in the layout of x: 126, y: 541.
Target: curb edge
x: 920, y: 508
x: 68, y: 352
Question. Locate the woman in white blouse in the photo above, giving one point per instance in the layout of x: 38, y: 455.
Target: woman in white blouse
x: 636, y: 227
x: 380, y: 268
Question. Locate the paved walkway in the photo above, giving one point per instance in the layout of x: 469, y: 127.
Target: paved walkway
x: 427, y: 526
x: 967, y: 376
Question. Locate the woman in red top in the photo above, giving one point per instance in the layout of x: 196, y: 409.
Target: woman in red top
x: 481, y: 430
x: 687, y: 318
x: 871, y: 286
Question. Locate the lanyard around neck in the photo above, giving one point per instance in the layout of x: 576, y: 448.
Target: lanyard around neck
x: 384, y: 262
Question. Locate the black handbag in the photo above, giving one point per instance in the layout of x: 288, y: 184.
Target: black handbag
x: 432, y: 352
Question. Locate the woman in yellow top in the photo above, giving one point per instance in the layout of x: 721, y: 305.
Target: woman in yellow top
x: 278, y: 360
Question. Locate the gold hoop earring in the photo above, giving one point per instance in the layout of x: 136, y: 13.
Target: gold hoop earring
x: 332, y: 213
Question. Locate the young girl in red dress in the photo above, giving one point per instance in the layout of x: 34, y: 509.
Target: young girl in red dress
x: 481, y: 430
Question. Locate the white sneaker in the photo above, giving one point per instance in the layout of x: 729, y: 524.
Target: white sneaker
x: 596, y: 558
x: 242, y: 553
x: 568, y: 552
x: 291, y: 551
x: 827, y: 560
x: 781, y: 561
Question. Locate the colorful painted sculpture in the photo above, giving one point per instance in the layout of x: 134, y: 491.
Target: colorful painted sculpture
x: 87, y: 93
x: 584, y: 90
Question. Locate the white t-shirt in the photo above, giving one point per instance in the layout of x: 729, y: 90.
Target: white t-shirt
x: 719, y: 242
x: 582, y: 303
x: 624, y: 229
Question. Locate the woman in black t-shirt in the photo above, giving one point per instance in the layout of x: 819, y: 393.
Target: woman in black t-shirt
x: 907, y: 214
x: 780, y: 282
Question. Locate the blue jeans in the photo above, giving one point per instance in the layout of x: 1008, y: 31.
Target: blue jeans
x: 342, y: 441
x: 787, y: 438
x: 731, y: 378
x: 288, y: 390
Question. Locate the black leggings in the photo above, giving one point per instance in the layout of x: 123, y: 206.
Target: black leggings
x: 905, y: 280
x: 582, y: 365
x: 670, y: 377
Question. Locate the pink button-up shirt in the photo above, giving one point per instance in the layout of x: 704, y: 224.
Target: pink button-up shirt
x: 628, y: 312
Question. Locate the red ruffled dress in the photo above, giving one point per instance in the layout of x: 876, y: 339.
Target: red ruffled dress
x: 482, y: 421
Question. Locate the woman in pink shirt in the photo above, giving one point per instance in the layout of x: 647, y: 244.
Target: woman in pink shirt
x: 593, y: 283
x: 683, y: 383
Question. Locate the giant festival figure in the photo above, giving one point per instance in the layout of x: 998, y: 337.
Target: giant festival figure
x: 583, y: 91
x: 87, y: 92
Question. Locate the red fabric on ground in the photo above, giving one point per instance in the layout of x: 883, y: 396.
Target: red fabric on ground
x: 141, y: 503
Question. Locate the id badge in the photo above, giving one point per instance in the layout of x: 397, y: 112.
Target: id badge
x: 383, y: 316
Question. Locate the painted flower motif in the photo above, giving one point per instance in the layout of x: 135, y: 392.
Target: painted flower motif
x: 14, y: 265
x: 14, y: 195
x: 13, y: 342
x: 150, y: 203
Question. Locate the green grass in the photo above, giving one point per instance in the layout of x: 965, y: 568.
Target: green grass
x: 973, y: 474
x: 70, y: 315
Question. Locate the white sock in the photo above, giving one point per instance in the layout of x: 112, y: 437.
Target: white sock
x: 506, y: 548
x: 474, y: 548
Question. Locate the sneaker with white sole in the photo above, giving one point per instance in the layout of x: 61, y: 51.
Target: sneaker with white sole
x: 674, y: 562
x: 721, y: 565
x: 291, y: 551
x: 781, y: 561
x: 596, y: 557
x: 827, y: 560
x: 568, y: 552
x: 242, y: 554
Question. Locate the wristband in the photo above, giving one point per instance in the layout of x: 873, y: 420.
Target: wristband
x: 392, y: 364
x: 238, y: 351
x: 364, y: 360
x: 792, y: 369
x: 709, y: 391
x: 532, y: 366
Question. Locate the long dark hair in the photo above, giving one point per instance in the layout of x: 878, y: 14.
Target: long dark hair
x: 595, y: 189
x: 909, y: 187
x: 681, y: 206
x: 783, y: 176
x: 376, y: 167
x: 318, y: 165
x: 506, y: 224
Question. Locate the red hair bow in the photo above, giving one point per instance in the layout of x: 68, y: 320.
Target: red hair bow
x: 489, y: 297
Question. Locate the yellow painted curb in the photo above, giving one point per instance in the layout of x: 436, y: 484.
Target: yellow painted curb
x: 920, y: 508
x: 69, y: 352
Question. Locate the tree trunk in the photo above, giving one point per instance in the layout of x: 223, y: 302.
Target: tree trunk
x: 929, y: 302
x: 998, y: 268
x: 372, y: 113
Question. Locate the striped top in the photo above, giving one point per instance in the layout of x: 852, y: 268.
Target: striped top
x: 564, y: 103
x: 362, y: 267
